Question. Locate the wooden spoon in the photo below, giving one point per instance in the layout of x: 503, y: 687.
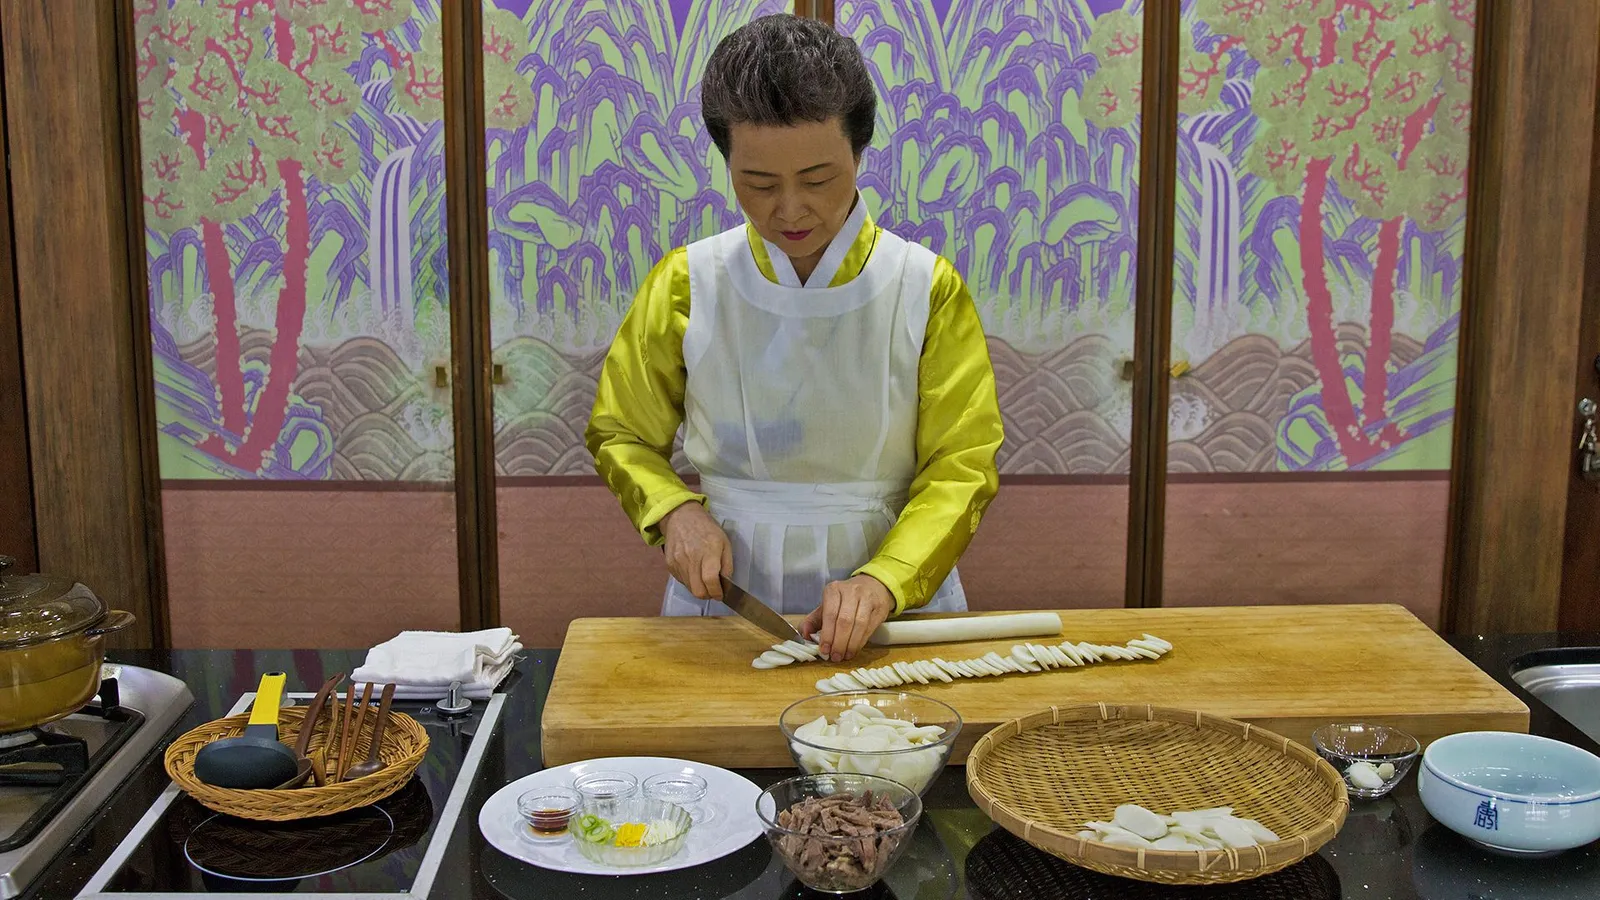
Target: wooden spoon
x: 374, y: 762
x: 308, y: 725
x: 344, y: 734
x: 355, y: 735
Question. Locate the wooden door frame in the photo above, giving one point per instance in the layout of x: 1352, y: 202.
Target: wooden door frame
x: 1527, y: 198
x: 1581, y: 542
x: 84, y: 328
x: 18, y: 538
x: 1152, y: 305
x: 1527, y: 209
x: 472, y: 391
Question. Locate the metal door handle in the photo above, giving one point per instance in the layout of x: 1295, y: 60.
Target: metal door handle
x: 1588, y: 442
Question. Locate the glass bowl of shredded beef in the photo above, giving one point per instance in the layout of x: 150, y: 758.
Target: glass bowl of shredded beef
x: 839, y: 832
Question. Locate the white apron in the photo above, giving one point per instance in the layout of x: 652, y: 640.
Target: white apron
x: 800, y: 412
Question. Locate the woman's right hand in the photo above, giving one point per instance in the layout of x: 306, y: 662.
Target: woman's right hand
x: 698, y: 552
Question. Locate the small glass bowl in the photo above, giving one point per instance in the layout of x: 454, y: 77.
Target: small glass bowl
x: 1346, y: 745
x: 684, y: 789
x: 548, y: 811
x: 604, y: 791
x: 639, y: 811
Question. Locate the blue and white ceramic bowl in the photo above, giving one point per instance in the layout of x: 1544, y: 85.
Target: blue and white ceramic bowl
x: 1513, y: 793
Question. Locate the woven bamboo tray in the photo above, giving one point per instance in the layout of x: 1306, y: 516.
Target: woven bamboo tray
x: 1001, y: 867
x: 405, y: 743
x: 1041, y: 777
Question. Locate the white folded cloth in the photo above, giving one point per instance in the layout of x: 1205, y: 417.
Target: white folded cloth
x: 423, y: 664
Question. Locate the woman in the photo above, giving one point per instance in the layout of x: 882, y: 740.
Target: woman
x: 831, y: 379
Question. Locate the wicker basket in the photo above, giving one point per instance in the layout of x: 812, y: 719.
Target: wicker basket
x: 1001, y: 867
x: 404, y: 744
x: 1041, y: 777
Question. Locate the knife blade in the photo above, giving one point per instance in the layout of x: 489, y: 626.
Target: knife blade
x: 758, y: 613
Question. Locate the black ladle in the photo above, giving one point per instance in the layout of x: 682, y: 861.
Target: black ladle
x: 255, y: 759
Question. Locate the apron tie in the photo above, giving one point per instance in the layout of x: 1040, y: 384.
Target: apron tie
x: 796, y: 503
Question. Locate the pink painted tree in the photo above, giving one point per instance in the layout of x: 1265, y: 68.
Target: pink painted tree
x: 1372, y: 97
x: 419, y: 74
x: 245, y: 100
x: 1111, y: 95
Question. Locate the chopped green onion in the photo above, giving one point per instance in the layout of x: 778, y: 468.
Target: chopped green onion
x: 594, y: 829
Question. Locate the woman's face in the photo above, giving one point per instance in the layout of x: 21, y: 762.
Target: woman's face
x: 796, y: 183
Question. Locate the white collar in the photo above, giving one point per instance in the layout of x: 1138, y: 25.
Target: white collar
x: 832, y: 258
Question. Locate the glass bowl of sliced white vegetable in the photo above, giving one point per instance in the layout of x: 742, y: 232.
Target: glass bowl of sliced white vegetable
x: 1372, y: 758
x: 635, y: 832
x: 891, y: 734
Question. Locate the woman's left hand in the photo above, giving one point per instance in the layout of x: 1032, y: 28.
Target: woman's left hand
x: 850, y: 612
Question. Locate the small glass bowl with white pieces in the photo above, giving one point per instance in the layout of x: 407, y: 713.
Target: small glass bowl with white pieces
x: 1372, y: 758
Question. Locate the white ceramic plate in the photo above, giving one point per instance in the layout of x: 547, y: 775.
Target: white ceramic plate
x: 730, y: 802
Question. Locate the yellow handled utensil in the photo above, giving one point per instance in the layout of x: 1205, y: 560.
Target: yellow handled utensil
x: 255, y: 759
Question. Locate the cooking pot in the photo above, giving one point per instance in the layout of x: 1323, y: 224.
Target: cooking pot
x: 51, y: 646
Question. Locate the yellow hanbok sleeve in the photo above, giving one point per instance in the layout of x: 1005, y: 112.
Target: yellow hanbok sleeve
x: 958, y: 434
x: 639, y: 404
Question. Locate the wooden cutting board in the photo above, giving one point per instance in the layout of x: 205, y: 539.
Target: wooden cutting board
x: 684, y: 687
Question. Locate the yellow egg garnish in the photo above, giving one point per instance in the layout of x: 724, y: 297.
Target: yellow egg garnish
x: 631, y: 834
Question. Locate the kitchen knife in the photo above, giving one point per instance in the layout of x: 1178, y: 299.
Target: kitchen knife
x: 758, y: 613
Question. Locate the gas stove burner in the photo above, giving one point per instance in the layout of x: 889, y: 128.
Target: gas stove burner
x: 51, y: 756
x: 72, y: 767
x: 42, y: 757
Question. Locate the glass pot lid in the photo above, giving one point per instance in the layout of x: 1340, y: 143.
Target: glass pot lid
x: 38, y: 608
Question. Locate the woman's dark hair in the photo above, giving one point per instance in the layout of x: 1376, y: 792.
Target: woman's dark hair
x: 783, y: 70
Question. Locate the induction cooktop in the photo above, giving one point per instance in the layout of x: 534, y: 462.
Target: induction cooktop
x: 391, y: 849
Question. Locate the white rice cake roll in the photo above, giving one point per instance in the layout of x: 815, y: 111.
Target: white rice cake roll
x: 955, y: 629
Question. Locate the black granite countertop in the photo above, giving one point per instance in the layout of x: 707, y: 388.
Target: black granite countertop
x: 1387, y: 849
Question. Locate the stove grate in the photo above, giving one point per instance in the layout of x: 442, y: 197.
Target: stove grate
x: 44, y: 758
